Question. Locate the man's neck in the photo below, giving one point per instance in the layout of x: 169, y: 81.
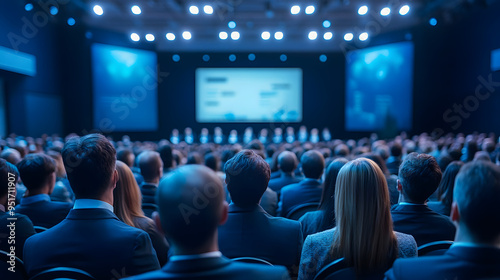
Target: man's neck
x: 37, y: 192
x: 211, y: 246
x: 402, y: 198
x: 464, y: 236
x: 286, y: 174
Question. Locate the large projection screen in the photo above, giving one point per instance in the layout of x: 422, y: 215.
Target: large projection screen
x: 379, y: 86
x: 125, y: 87
x: 248, y: 95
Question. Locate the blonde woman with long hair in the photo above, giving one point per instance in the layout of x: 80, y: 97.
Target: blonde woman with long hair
x: 363, y: 235
x: 127, y: 207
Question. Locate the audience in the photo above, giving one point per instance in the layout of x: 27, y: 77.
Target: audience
x: 364, y: 236
x: 249, y: 230
x: 127, y: 207
x: 23, y: 225
x: 151, y: 167
x: 38, y: 173
x: 324, y: 218
x: 419, y: 177
x: 445, y: 189
x: 476, y: 251
x: 62, y: 190
x: 307, y: 190
x: 91, y: 238
x: 287, y: 163
x: 191, y: 207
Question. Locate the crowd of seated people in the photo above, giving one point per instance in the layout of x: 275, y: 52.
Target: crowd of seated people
x: 124, y: 208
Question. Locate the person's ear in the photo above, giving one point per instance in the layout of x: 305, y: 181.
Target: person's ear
x: 156, y: 219
x: 224, y: 214
x: 52, y: 182
x: 114, y: 178
x: 455, y: 214
x: 400, y: 187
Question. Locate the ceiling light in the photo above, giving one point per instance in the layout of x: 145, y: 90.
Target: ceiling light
x: 328, y: 36
x: 194, y: 10
x: 312, y: 35
x: 223, y: 35
x: 310, y: 9
x: 135, y: 37
x: 295, y: 10
x: 235, y: 35
x: 208, y: 9
x: 186, y: 35
x: 136, y: 10
x: 348, y: 36
x: 150, y: 37
x: 363, y: 10
x: 385, y: 11
x: 266, y: 35
x: 278, y: 35
x: 98, y: 10
x: 170, y: 36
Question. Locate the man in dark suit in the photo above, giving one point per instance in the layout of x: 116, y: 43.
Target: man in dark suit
x: 191, y: 207
x: 419, y: 177
x: 151, y: 167
x: 10, y: 221
x: 91, y: 238
x: 38, y: 173
x: 476, y: 251
x: 287, y: 163
x: 247, y: 230
x: 309, y: 189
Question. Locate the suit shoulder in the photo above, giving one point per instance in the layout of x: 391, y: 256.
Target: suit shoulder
x: 259, y: 271
x: 285, y: 222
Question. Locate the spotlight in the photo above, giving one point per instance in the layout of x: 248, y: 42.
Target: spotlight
x: 433, y: 22
x: 136, y: 10
x: 312, y: 35
x: 53, y: 10
x: 231, y: 24
x: 150, y: 37
x: 310, y: 9
x: 208, y: 9
x: 295, y: 10
x: 235, y: 35
x: 170, y: 36
x: 28, y: 7
x: 278, y: 35
x: 98, y: 10
x: 323, y: 58
x: 194, y: 10
x: 328, y: 36
x: 176, y: 58
x: 135, y: 37
x: 385, y: 11
x: 223, y: 35
x: 265, y: 35
x: 251, y: 57
x: 232, y: 57
x: 363, y: 10
x: 206, y: 57
x: 348, y: 36
x: 283, y: 57
x: 186, y: 35
x: 327, y: 24
x: 363, y: 36
x: 71, y: 21
x: 404, y: 10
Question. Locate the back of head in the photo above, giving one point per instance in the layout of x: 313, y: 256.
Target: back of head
x: 477, y: 194
x: 364, y: 235
x: 396, y: 149
x: 89, y: 162
x: 378, y: 160
x: 327, y: 203
x: 190, y: 203
x: 35, y: 170
x: 447, y: 184
x: 255, y: 145
x: 166, y: 156
x: 482, y: 155
x: 194, y: 158
x: 11, y: 155
x: 8, y: 176
x: 212, y: 161
x: 247, y: 177
x: 287, y: 162
x: 127, y: 195
x: 420, y: 176
x: 151, y: 166
x: 313, y: 164
x: 126, y: 156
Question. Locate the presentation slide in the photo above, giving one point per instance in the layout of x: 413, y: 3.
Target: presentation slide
x: 379, y: 86
x: 248, y: 95
x: 124, y: 88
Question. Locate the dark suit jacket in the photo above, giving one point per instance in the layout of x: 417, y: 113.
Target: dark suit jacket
x: 93, y: 240
x: 439, y: 207
x: 45, y: 213
x: 308, y: 190
x: 269, y: 202
x: 284, y: 180
x: 251, y: 232
x: 458, y: 263
x: 148, y: 196
x: 424, y: 224
x: 23, y: 229
x: 216, y: 268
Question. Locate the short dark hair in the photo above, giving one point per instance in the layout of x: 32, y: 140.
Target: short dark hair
x: 313, y: 164
x: 6, y: 168
x: 34, y: 170
x: 89, y: 162
x: 166, y: 155
x: 477, y: 193
x: 420, y: 176
x: 247, y: 177
x: 123, y: 156
x: 212, y: 161
x: 150, y: 163
x: 287, y: 161
x: 396, y: 149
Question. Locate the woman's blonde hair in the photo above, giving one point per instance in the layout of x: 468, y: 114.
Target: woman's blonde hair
x: 364, y: 235
x: 127, y: 196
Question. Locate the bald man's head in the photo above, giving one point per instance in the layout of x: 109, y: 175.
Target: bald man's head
x: 151, y: 166
x: 287, y: 162
x: 191, y: 203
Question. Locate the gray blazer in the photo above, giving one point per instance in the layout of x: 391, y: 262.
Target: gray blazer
x: 315, y: 252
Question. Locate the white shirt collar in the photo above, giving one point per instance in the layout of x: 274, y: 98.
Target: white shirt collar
x: 471, y: 245
x: 407, y: 203
x: 92, y: 203
x: 214, y: 254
